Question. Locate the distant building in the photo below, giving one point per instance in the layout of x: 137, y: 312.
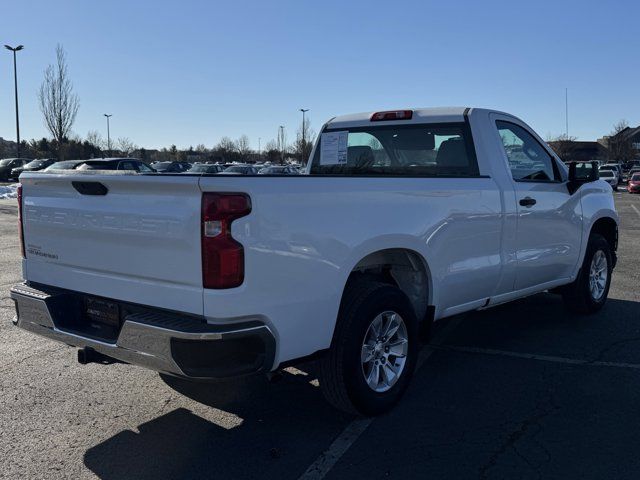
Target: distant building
x: 626, y: 139
x: 577, y: 151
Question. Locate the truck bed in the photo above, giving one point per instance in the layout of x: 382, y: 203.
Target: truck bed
x: 141, y: 241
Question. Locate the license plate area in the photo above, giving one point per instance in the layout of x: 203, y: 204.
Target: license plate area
x: 101, y: 318
x: 102, y: 311
x: 87, y: 316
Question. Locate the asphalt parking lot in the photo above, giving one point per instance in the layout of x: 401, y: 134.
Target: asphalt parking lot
x: 525, y: 390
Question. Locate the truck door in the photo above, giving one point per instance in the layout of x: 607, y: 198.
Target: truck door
x: 549, y: 219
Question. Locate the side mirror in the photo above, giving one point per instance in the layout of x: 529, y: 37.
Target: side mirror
x: 581, y: 173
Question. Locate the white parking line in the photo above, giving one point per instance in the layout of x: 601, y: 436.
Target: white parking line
x: 327, y: 459
x: 533, y: 356
x: 635, y: 209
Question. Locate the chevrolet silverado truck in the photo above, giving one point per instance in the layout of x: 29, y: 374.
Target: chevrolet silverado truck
x: 402, y: 218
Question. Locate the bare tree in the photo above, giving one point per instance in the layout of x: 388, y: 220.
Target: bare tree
x: 94, y: 138
x: 58, y: 103
x: 271, y: 151
x: 563, y: 145
x: 225, y: 145
x: 126, y: 146
x: 243, y: 147
x: 225, y: 150
x: 620, y: 147
x: 304, y: 141
x: 282, y: 143
x: 620, y: 126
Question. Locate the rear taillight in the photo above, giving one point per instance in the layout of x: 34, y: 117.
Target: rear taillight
x: 20, y: 221
x: 222, y: 256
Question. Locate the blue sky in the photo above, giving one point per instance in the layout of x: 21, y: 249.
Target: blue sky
x: 191, y: 72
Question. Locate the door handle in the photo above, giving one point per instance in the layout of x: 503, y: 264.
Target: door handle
x: 527, y: 202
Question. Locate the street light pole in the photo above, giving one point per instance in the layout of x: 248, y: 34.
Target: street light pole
x: 108, y: 133
x: 304, y: 143
x: 15, y: 84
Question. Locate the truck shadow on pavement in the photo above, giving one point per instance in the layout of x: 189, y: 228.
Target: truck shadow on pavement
x: 466, y: 414
x: 284, y: 427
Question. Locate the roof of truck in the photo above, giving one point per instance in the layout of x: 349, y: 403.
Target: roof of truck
x: 420, y: 115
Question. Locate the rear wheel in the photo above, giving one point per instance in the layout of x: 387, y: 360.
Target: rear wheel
x: 374, y: 350
x: 588, y: 293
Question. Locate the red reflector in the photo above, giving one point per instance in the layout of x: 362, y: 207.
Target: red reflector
x: 222, y: 256
x: 392, y: 115
x: 20, y: 222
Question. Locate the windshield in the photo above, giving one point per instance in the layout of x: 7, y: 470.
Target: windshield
x: 160, y: 166
x: 409, y: 150
x: 273, y: 170
x: 35, y: 164
x: 635, y: 177
x: 236, y: 169
x: 62, y: 165
x: 606, y: 173
x: 203, y: 168
x: 100, y: 165
x: 5, y: 162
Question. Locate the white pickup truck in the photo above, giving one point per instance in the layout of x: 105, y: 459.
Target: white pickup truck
x: 403, y: 218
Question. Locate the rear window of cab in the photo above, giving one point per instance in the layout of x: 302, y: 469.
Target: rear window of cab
x: 424, y: 150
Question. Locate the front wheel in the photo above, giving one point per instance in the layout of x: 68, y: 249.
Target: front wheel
x: 374, y: 350
x: 588, y: 293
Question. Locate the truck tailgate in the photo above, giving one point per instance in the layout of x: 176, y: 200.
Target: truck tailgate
x: 139, y: 241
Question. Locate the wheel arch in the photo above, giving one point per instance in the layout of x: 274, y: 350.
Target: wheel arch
x: 608, y: 228
x: 402, y: 267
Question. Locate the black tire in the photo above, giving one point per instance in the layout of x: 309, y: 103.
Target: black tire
x: 577, y: 296
x: 342, y: 378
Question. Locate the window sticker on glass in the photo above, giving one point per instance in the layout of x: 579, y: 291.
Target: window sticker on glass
x: 333, y: 148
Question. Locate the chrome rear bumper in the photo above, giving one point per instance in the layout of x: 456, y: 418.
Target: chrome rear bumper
x: 163, y: 341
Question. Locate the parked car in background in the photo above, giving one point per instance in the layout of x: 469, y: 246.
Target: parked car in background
x: 115, y: 164
x: 633, y: 171
x: 278, y: 170
x: 617, y: 168
x: 8, y: 164
x: 615, y: 171
x: 171, y: 167
x: 610, y: 176
x: 634, y: 183
x: 205, y: 168
x: 32, y: 166
x: 240, y: 170
x: 64, y: 165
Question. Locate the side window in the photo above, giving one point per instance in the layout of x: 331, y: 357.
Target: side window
x: 126, y: 166
x: 528, y: 160
x: 143, y: 167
